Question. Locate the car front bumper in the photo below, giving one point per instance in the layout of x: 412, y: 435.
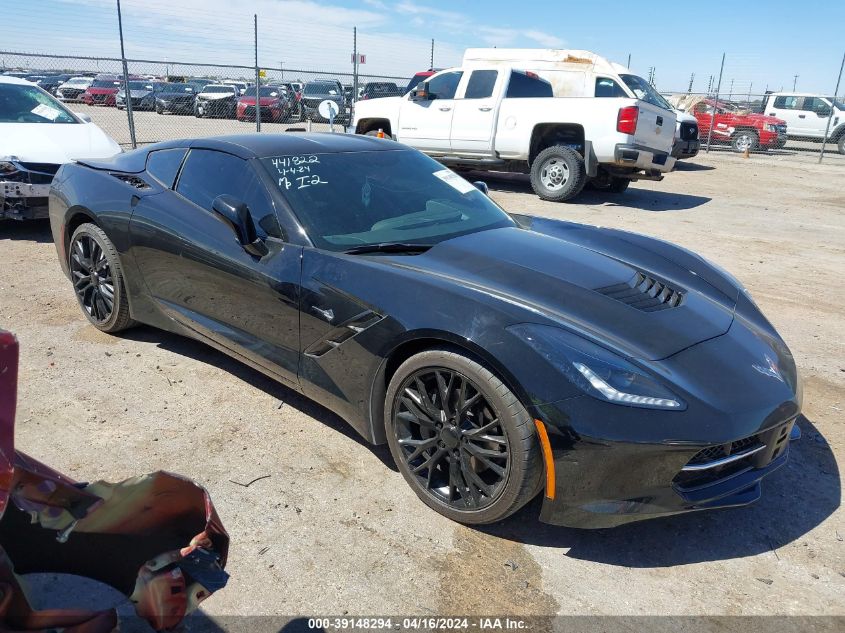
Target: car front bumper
x: 19, y: 201
x: 686, y: 149
x: 614, y: 464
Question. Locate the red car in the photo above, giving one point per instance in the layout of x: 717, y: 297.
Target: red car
x: 742, y: 129
x: 273, y: 101
x: 102, y: 91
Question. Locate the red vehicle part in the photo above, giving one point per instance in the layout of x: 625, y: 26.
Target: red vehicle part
x: 156, y: 538
x: 273, y: 109
x: 99, y: 96
x: 770, y: 131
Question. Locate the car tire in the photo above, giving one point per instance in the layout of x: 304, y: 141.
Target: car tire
x: 159, y: 109
x: 745, y: 140
x: 102, y: 293
x: 841, y: 144
x: 465, y: 474
x: 558, y: 173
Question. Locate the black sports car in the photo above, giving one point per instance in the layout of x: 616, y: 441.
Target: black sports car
x: 497, y: 355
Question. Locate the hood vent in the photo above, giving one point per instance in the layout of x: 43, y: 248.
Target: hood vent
x: 644, y: 293
x: 132, y: 181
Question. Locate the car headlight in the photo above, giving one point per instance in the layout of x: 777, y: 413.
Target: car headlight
x: 596, y: 370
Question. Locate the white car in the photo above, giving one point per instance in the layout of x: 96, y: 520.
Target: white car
x: 72, y: 89
x: 807, y: 116
x: 37, y: 135
x: 566, y: 117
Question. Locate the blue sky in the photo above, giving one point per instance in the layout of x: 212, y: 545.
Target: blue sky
x: 766, y: 43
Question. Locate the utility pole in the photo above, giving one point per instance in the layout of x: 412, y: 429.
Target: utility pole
x: 691, y: 79
x: 835, y: 92
x: 354, y: 73
x: 282, y: 67
x: 126, y: 90
x: 794, y: 82
x: 710, y: 85
x: 731, y: 90
x: 432, y: 53
x: 716, y: 105
x: 257, y: 79
x: 629, y: 60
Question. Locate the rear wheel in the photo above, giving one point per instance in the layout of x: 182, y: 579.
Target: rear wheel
x: 461, y: 439
x: 98, y: 279
x: 841, y: 144
x: 745, y: 140
x: 558, y: 173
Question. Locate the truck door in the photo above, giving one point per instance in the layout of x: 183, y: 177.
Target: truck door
x: 474, y: 116
x: 816, y: 111
x: 788, y: 108
x: 426, y: 124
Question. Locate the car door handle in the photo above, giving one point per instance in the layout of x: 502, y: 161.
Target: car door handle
x: 485, y: 109
x: 802, y: 116
x: 445, y: 109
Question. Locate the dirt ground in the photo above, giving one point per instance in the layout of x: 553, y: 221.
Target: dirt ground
x: 335, y: 530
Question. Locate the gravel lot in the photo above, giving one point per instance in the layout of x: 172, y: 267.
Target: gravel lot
x: 336, y: 530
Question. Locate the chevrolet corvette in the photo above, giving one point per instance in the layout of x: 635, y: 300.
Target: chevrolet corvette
x: 499, y: 356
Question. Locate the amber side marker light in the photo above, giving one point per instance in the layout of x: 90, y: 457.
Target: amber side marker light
x: 547, y: 458
x: 380, y: 133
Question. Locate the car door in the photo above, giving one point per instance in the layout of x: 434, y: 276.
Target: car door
x: 474, y: 114
x: 816, y: 112
x: 787, y: 107
x: 199, y: 274
x: 426, y: 124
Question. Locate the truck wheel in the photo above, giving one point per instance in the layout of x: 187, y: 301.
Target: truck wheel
x: 745, y: 140
x: 612, y: 184
x: 558, y: 174
x: 841, y: 144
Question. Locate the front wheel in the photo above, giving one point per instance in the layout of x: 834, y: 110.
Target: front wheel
x: 461, y: 439
x: 558, y: 173
x: 745, y: 141
x: 98, y: 279
x: 841, y: 144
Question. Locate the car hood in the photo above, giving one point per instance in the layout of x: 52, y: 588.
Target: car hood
x: 558, y: 279
x: 135, y: 93
x: 102, y: 91
x: 755, y: 119
x: 54, y: 142
x: 215, y: 95
x: 336, y: 98
x: 262, y: 100
x: 173, y: 95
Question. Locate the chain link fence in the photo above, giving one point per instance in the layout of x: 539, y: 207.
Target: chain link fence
x: 174, y: 99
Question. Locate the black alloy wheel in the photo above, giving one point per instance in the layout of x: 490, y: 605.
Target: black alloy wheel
x: 98, y: 280
x: 461, y: 439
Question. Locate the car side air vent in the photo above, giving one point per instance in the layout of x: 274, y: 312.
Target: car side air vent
x: 339, y: 335
x: 644, y: 293
x: 132, y: 180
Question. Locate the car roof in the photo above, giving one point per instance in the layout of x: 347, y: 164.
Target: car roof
x: 7, y: 79
x: 283, y: 144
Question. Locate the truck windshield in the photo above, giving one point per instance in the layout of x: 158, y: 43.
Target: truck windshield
x: 645, y: 91
x: 359, y: 199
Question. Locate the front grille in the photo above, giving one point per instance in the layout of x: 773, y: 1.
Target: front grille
x: 249, y: 111
x: 713, y: 453
x: 644, y: 293
x: 689, y: 131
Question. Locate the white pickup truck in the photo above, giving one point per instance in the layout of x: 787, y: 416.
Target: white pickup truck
x: 808, y: 116
x: 500, y: 117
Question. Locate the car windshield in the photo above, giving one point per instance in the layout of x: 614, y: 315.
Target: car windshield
x: 321, y: 89
x: 356, y: 199
x: 838, y: 104
x: 140, y: 85
x: 215, y: 89
x: 645, y: 91
x: 264, y: 91
x: 28, y: 104
x: 415, y: 80
x: 79, y: 81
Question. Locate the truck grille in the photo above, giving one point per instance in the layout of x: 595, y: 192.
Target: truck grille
x: 689, y: 131
x: 644, y: 293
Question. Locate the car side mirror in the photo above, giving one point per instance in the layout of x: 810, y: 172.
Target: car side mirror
x: 237, y: 214
x: 823, y: 114
x: 482, y: 187
x: 84, y: 117
x: 421, y: 92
